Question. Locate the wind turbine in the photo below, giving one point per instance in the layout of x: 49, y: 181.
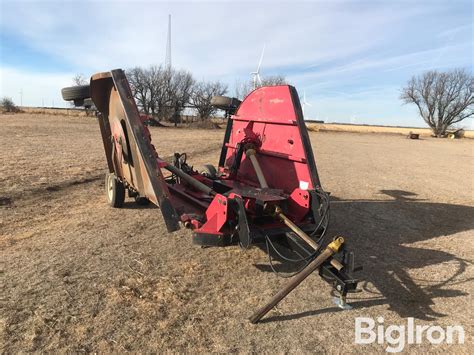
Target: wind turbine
x: 256, y: 74
x: 305, y: 102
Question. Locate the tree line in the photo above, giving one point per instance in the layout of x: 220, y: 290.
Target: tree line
x: 164, y: 93
x: 442, y: 98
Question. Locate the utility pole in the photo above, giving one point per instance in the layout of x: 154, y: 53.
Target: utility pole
x: 168, y: 46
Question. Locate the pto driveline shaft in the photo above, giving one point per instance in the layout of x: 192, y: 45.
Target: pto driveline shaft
x: 295, y: 228
x: 190, y: 180
x: 300, y: 233
x: 330, y: 250
x: 251, y: 153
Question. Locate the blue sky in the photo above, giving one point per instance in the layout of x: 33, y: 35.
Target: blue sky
x: 351, y: 57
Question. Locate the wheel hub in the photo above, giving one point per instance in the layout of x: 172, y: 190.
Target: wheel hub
x: 110, y: 187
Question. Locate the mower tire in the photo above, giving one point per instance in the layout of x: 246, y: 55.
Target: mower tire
x: 208, y: 170
x: 114, y: 190
x: 225, y: 103
x: 74, y: 93
x: 88, y: 103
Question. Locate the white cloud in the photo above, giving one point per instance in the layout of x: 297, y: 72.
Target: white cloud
x: 321, y: 46
x: 36, y: 88
x: 425, y: 59
x: 208, y: 38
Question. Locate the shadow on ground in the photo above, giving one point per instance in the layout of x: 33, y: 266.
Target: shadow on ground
x: 380, y: 233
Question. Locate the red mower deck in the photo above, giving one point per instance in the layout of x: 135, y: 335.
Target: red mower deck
x: 265, y: 191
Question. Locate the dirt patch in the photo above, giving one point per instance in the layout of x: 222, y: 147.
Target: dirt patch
x: 204, y: 124
x: 80, y: 276
x: 6, y: 201
x: 355, y: 128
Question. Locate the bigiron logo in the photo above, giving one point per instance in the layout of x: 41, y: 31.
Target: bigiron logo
x: 395, y: 337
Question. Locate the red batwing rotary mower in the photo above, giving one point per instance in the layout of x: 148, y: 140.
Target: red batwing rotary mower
x: 265, y: 191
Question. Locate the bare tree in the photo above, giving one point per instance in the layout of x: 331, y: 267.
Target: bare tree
x: 137, y: 79
x: 273, y: 80
x: 242, y: 89
x: 443, y: 99
x: 161, y: 92
x: 7, y: 105
x: 79, y: 80
x: 202, y: 95
x: 179, y: 93
x: 156, y: 85
x: 150, y: 89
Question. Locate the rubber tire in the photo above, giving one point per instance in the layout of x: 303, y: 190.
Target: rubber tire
x: 225, y: 102
x: 114, y: 190
x: 208, y: 170
x: 88, y: 103
x: 79, y: 103
x: 141, y: 201
x: 221, y: 101
x: 72, y: 93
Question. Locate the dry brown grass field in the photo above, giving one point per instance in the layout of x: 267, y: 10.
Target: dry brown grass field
x: 353, y: 128
x: 77, y: 275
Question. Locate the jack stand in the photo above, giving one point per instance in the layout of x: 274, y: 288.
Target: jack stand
x: 341, y: 302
